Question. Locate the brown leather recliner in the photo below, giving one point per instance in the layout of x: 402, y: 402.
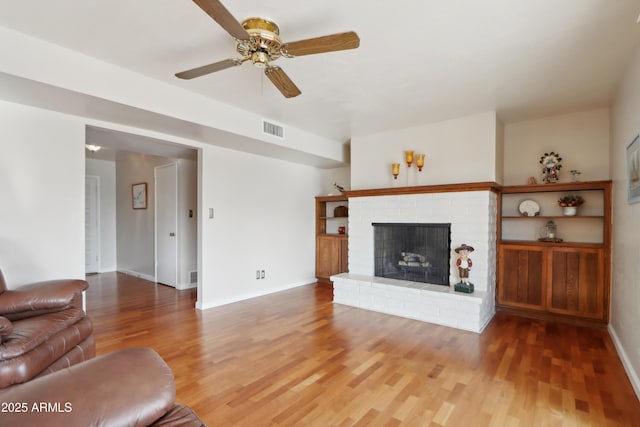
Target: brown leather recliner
x: 42, y: 329
x: 49, y: 376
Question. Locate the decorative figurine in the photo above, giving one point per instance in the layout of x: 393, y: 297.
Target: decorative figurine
x: 550, y: 167
x: 464, y: 266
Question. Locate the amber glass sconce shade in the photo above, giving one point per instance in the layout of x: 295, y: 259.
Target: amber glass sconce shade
x: 408, y: 157
x: 420, y: 161
x: 395, y: 170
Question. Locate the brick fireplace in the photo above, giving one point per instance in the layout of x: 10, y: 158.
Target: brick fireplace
x: 470, y: 209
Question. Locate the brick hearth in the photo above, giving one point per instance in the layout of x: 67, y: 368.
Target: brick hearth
x: 472, y: 215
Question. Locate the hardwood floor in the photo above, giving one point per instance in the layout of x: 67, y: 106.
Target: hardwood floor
x: 294, y: 358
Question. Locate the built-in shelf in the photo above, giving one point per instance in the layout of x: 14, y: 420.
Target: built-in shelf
x: 568, y: 278
x: 551, y: 217
x: 331, y: 246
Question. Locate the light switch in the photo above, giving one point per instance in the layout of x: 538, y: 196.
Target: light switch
x: 210, y: 212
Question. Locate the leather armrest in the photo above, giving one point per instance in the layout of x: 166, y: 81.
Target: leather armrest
x: 132, y: 387
x: 52, y: 294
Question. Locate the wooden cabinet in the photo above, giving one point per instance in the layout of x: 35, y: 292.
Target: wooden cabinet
x: 331, y: 236
x: 576, y: 285
x: 522, y: 273
x: 565, y: 277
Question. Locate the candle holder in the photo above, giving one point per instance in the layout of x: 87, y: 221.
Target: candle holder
x: 420, y: 161
x: 408, y: 157
x: 395, y: 170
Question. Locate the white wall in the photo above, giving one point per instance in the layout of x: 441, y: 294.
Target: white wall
x: 187, y: 226
x: 457, y: 151
x: 106, y: 171
x: 341, y: 176
x: 625, y: 286
x: 42, y: 187
x: 263, y: 219
x: 264, y: 209
x: 136, y: 227
x: 582, y: 139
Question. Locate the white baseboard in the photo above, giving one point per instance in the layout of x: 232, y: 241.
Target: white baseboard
x: 631, y: 373
x: 183, y: 286
x: 136, y: 274
x: 224, y: 301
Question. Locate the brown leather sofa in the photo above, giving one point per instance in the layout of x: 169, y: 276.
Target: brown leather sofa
x: 49, y: 376
x: 42, y: 329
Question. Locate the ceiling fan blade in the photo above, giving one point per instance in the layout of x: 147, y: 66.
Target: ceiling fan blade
x: 223, y: 17
x: 208, y: 69
x: 331, y: 43
x: 280, y: 80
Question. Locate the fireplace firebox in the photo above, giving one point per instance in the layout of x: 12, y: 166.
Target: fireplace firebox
x: 414, y: 252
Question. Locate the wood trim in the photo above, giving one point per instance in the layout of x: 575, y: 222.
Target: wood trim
x: 424, y: 189
x: 551, y: 317
x: 338, y: 198
x: 564, y: 186
x: 529, y: 243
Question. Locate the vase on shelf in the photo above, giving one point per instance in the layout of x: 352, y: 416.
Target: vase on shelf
x: 569, y: 210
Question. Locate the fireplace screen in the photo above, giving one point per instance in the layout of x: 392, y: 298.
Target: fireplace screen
x: 414, y: 252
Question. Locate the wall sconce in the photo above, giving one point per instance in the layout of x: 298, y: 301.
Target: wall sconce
x: 420, y: 161
x: 408, y: 157
x: 395, y: 170
x: 93, y: 148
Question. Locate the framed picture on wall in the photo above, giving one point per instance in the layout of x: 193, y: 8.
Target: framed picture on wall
x: 633, y: 170
x: 139, y: 195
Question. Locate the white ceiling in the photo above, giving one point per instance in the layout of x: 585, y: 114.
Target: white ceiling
x: 419, y: 61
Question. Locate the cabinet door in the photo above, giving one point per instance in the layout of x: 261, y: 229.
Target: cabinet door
x: 327, y: 257
x: 576, y: 282
x: 344, y: 256
x: 521, y: 279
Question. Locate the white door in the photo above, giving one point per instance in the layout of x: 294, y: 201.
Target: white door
x: 166, y: 197
x: 91, y: 225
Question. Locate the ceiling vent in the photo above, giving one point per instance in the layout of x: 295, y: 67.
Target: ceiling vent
x: 272, y: 129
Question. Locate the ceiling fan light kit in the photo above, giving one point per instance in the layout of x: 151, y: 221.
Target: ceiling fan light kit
x: 258, y: 40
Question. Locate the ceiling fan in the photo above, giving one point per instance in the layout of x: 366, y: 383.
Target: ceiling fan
x: 258, y: 40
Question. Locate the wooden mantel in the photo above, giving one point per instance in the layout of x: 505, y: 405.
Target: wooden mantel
x: 425, y: 189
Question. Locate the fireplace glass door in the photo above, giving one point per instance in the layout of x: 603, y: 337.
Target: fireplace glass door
x: 414, y: 252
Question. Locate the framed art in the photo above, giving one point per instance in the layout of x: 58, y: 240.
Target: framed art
x: 139, y: 195
x: 633, y: 171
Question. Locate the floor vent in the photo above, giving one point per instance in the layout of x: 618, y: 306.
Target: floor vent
x: 272, y: 129
x: 193, y: 277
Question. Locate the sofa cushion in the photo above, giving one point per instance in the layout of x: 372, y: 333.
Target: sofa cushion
x: 29, y: 333
x: 27, y: 365
x: 82, y: 351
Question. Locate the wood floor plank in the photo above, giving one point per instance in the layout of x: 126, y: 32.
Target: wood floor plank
x: 295, y: 359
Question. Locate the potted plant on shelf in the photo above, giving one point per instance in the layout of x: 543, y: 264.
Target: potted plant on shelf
x: 570, y: 204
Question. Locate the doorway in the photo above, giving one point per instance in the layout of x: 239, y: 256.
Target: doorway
x: 166, y: 209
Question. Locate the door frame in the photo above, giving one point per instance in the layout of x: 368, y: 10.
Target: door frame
x: 97, y: 222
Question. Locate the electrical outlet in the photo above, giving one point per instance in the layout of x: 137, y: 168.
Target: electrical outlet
x: 262, y: 274
x: 257, y: 274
